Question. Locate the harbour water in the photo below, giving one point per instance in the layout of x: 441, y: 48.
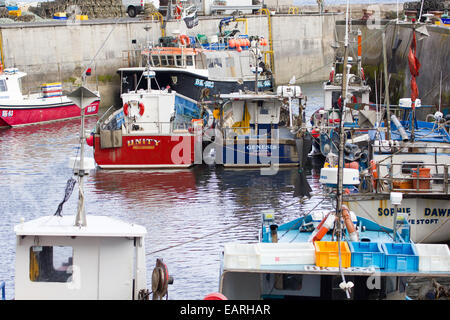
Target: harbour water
x: 189, y: 214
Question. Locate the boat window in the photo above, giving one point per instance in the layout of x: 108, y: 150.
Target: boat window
x: 229, y: 62
x: 178, y: 61
x: 171, y: 60
x: 189, y: 60
x: 164, y: 61
x: 155, y: 60
x: 335, y: 97
x: 51, y: 264
x: 3, y: 87
x: 263, y: 111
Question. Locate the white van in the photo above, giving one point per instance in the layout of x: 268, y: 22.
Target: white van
x: 134, y: 7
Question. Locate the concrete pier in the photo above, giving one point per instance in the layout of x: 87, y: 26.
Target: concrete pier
x: 61, y: 50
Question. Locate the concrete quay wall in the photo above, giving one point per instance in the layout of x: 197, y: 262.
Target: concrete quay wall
x: 433, y: 52
x: 60, y: 51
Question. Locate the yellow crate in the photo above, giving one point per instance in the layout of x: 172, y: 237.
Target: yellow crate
x: 16, y: 13
x: 81, y: 17
x: 327, y: 254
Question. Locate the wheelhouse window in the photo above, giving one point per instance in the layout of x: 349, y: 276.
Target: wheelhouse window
x: 155, y: 61
x: 164, y: 61
x: 171, y: 60
x: 51, y: 264
x: 178, y: 61
x: 189, y: 60
x: 3, y: 87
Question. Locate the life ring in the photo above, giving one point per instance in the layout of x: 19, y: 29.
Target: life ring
x: 126, y: 107
x: 324, y: 226
x: 184, y: 40
x: 349, y: 224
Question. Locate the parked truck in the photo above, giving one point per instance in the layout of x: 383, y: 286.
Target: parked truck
x: 135, y: 7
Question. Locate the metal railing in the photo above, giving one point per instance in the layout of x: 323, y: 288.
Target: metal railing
x: 412, y: 184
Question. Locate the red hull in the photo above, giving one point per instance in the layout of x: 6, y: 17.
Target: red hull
x: 12, y: 116
x: 147, y: 151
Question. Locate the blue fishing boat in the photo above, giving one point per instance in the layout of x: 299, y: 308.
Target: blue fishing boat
x: 254, y: 129
x: 324, y: 255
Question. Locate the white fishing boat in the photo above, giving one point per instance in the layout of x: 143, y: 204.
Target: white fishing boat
x: 83, y: 256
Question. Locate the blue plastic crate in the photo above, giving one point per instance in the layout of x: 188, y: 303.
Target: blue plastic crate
x: 400, y: 257
x: 367, y: 254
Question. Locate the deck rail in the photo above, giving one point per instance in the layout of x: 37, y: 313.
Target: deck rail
x: 408, y: 182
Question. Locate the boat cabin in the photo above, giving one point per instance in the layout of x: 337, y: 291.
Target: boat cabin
x: 333, y: 92
x: 11, y: 84
x: 56, y: 260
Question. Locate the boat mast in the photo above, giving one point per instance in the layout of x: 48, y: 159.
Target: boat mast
x: 344, y: 92
x: 80, y: 219
x: 386, y: 92
x: 340, y: 176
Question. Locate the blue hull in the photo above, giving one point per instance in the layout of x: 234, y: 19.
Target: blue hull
x: 249, y: 153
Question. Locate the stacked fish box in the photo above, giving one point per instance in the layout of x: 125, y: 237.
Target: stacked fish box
x: 367, y: 254
x: 51, y: 90
x: 60, y: 16
x: 400, y: 257
x: 255, y: 255
x: 433, y: 257
x: 327, y: 254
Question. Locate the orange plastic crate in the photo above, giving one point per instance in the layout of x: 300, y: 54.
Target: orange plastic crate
x: 327, y: 254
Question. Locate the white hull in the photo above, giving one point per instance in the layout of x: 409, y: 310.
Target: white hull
x: 429, y: 218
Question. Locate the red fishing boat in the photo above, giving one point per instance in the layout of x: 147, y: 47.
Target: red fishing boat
x: 48, y: 105
x: 153, y: 129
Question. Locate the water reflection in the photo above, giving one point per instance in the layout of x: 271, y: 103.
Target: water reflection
x: 188, y: 214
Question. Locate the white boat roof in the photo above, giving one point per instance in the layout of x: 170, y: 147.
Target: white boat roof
x: 97, y: 226
x: 249, y: 96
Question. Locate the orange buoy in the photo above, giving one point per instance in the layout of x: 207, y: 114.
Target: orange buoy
x: 90, y: 140
x: 232, y: 43
x: 352, y: 165
x: 238, y: 49
x: 423, y: 173
x: 349, y: 224
x: 215, y: 296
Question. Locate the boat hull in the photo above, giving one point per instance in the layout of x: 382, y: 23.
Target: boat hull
x: 427, y: 216
x: 251, y: 153
x: 20, y: 115
x: 191, y: 84
x: 147, y: 152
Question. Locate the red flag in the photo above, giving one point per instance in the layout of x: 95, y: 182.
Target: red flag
x: 414, y: 66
